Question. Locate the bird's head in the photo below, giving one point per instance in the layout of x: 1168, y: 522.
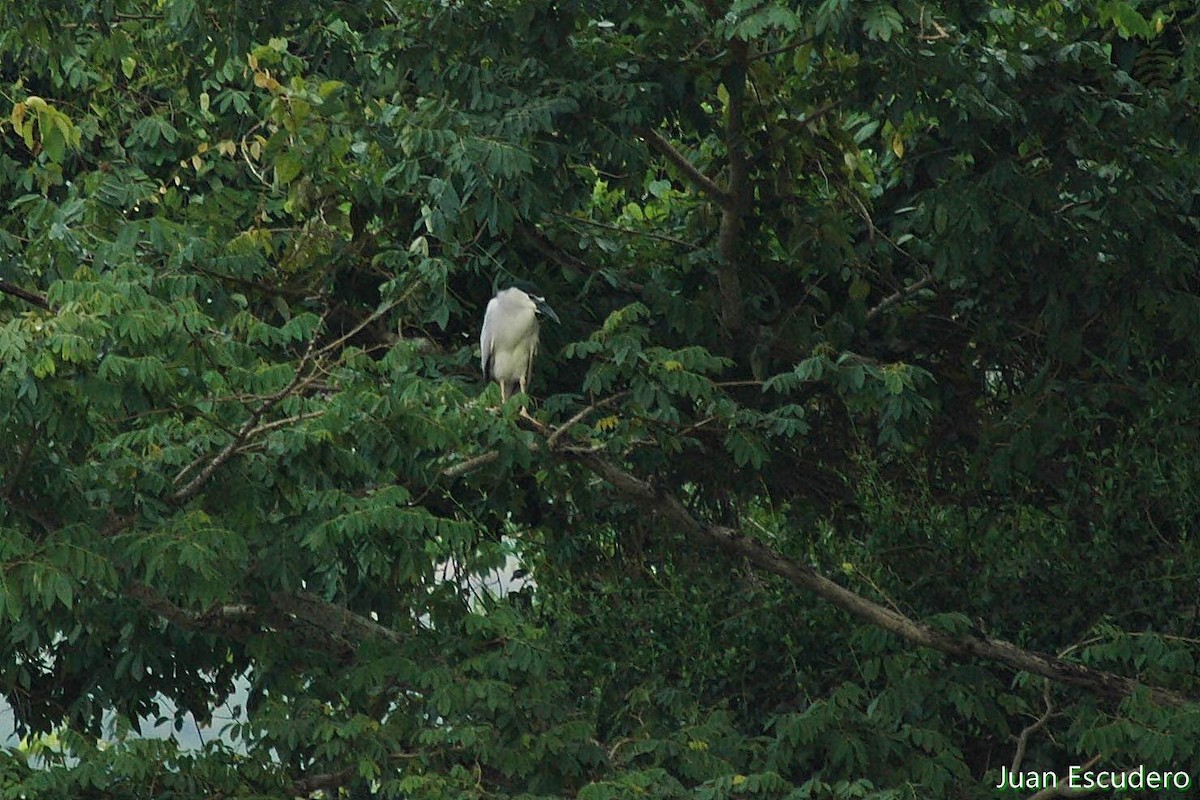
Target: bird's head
x: 533, y: 293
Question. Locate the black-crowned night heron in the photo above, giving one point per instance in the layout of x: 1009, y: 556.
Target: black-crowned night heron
x: 509, y: 339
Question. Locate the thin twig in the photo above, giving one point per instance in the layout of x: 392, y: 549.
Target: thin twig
x: 899, y: 295
x: 809, y: 119
x: 783, y: 48
x: 227, y: 452
x: 1032, y: 728
x: 648, y: 234
x: 562, y: 429
x: 368, y: 320
x: 261, y: 429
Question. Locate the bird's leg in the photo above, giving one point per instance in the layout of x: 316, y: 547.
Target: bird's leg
x: 524, y: 411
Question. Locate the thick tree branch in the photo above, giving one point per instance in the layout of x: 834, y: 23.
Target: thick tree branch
x: 237, y: 621
x: 558, y: 433
x: 800, y: 42
x: 332, y: 619
x: 689, y: 170
x: 553, y: 252
x: 961, y: 646
x: 322, y: 783
x: 28, y: 296
x: 729, y: 237
x: 736, y: 200
x: 319, y: 623
x: 470, y: 465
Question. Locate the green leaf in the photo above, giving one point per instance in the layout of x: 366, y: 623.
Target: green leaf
x: 287, y: 167
x: 881, y: 20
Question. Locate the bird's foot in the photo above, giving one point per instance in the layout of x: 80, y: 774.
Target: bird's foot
x: 530, y: 419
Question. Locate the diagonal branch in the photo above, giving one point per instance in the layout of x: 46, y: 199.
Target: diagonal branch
x: 962, y: 646
x: 332, y: 619
x: 689, y: 170
x: 1032, y: 728
x: 243, y: 439
x: 899, y: 295
x: 247, y: 429
x: 238, y: 621
x: 564, y: 259
x: 318, y: 623
x: 28, y: 296
x: 579, y: 417
x: 661, y: 237
x: 251, y: 426
x: 471, y: 464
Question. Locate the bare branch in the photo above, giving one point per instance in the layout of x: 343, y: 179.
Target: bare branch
x: 370, y: 319
x: 962, y: 646
x: 552, y: 441
x: 784, y: 48
x: 561, y: 429
x: 239, y: 621
x: 470, y: 465
x: 302, y: 377
x: 117, y: 523
x: 322, y: 783
x: 566, y: 260
x: 689, y: 170
x: 630, y: 231
x: 556, y: 254
x: 809, y: 119
x: 320, y: 624
x: 249, y: 435
x: 1032, y: 728
x: 28, y: 296
x: 899, y: 295
x: 332, y: 619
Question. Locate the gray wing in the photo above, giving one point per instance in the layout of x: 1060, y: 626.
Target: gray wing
x: 487, y: 338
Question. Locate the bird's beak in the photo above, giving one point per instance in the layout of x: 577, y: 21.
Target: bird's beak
x: 544, y: 308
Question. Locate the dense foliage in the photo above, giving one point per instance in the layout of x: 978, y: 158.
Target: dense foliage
x: 898, y: 294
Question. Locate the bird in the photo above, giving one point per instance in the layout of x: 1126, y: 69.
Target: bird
x: 509, y: 339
